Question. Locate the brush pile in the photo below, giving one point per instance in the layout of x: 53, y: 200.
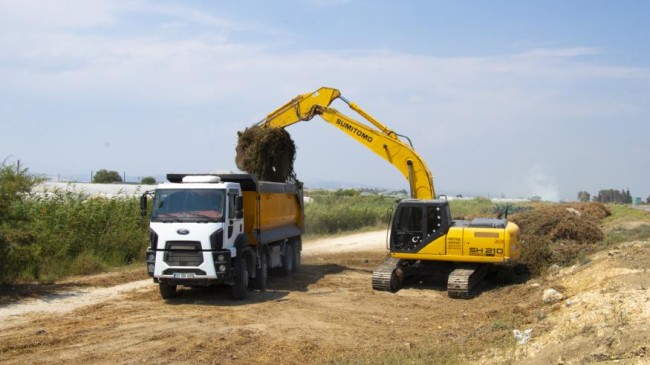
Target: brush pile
x: 559, y: 234
x: 268, y: 153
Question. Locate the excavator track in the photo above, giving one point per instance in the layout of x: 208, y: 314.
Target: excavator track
x: 387, y: 276
x: 463, y: 280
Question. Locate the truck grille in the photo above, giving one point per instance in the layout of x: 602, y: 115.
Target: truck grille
x: 183, y: 253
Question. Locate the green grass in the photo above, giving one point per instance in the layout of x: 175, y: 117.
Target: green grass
x: 70, y: 234
x: 626, y: 224
x: 467, y: 208
x: 48, y: 238
x: 331, y: 213
x: 619, y: 234
x: 625, y: 213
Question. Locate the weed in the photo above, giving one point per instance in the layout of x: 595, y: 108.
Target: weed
x: 426, y: 353
x: 332, y: 212
x: 67, y: 233
x: 620, y: 234
x: 619, y: 315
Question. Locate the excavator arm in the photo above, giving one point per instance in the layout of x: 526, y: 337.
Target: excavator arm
x: 378, y: 138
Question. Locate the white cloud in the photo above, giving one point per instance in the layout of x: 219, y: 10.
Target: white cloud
x: 47, y: 15
x: 327, y: 3
x: 561, y: 52
x: 453, y: 107
x: 46, y: 54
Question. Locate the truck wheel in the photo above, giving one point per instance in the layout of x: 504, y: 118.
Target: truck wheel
x: 297, y: 250
x: 287, y: 261
x: 262, y: 272
x: 240, y: 279
x: 167, y: 291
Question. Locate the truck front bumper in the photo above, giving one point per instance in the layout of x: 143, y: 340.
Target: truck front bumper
x: 214, y: 269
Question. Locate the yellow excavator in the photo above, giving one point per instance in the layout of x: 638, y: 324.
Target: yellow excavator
x: 423, y: 238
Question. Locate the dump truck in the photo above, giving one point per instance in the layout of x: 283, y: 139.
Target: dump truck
x: 423, y: 238
x: 222, y: 229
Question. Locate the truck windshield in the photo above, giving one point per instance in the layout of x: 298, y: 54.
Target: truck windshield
x: 188, y: 205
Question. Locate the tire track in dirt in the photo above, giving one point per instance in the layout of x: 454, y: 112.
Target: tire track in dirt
x: 69, y: 300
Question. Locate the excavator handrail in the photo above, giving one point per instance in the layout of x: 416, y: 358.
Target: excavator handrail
x: 380, y: 139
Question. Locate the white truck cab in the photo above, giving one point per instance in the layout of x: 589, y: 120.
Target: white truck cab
x: 198, y: 236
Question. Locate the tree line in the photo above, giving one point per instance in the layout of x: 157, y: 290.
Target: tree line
x: 622, y: 196
x: 104, y: 176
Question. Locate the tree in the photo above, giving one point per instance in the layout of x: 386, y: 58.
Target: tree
x: 15, y: 242
x: 584, y: 196
x: 347, y: 192
x: 613, y: 196
x: 14, y: 184
x: 148, y: 180
x: 107, y: 177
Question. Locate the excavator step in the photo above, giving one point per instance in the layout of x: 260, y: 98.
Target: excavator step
x: 463, y: 280
x: 387, y: 276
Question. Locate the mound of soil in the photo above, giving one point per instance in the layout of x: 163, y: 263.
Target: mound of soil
x: 559, y: 234
x: 268, y: 153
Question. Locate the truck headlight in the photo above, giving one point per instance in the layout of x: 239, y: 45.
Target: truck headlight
x: 150, y: 268
x: 222, y: 268
x: 221, y: 258
x: 151, y: 257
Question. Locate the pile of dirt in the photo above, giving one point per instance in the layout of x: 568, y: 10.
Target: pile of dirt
x: 559, y: 234
x: 268, y: 153
x: 593, y: 210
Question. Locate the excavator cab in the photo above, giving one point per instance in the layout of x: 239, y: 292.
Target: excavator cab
x: 417, y: 223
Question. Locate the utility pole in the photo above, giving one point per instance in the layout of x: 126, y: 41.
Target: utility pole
x: 18, y: 167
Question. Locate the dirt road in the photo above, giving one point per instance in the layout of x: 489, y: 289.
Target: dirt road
x: 328, y: 312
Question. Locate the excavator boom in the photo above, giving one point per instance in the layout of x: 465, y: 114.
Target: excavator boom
x: 423, y: 236
x: 378, y: 138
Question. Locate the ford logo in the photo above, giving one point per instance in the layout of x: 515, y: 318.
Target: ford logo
x: 183, y: 231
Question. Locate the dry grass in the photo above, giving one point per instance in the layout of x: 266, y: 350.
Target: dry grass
x: 559, y: 234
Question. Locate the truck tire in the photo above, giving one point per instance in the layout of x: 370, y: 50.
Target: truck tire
x: 287, y: 261
x: 240, y: 284
x: 167, y: 291
x: 262, y: 272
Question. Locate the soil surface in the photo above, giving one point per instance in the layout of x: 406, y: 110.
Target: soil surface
x: 328, y: 313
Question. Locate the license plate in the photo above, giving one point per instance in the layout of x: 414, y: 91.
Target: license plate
x: 183, y: 275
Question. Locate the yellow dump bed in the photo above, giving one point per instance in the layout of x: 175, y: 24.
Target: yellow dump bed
x: 272, y: 211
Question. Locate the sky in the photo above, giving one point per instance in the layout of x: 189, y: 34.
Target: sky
x: 500, y: 98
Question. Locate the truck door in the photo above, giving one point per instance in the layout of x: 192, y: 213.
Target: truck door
x: 235, y: 225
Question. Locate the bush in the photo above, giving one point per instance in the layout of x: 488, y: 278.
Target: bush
x: 73, y: 230
x: 559, y: 234
x: 107, y: 177
x: 62, y: 233
x: 16, y: 251
x: 472, y: 208
x: 333, y: 212
x: 148, y: 180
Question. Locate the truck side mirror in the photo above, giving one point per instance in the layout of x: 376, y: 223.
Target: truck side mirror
x: 143, y: 204
x: 239, y: 207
